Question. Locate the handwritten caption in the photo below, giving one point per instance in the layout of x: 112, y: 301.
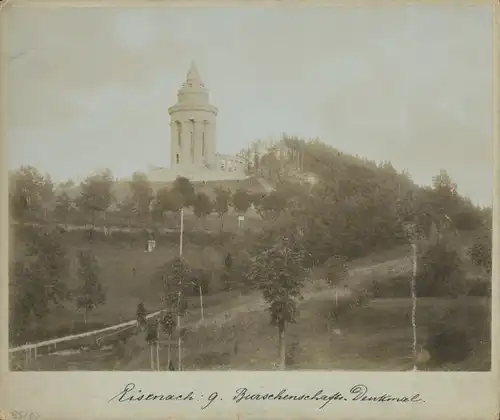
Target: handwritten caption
x: 131, y: 393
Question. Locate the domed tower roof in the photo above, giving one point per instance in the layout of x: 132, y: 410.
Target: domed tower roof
x: 193, y: 89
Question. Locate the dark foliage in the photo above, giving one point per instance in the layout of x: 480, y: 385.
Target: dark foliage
x: 448, y: 344
x: 481, y: 251
x: 440, y: 273
x: 141, y: 314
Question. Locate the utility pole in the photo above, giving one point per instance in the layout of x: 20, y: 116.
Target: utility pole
x: 158, y: 325
x: 179, y: 343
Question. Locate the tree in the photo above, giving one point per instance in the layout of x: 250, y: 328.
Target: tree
x: 174, y: 276
x: 336, y: 271
x: 273, y: 165
x: 140, y: 314
x: 47, y: 194
x: 29, y: 303
x: 168, y: 325
x: 38, y: 284
x: 64, y: 206
x: 227, y: 273
x: 66, y: 185
x: 152, y: 340
x: 439, y: 272
x: 26, y: 192
x: 200, y: 279
x: 185, y: 188
x: 19, y: 301
x: 241, y: 200
x: 273, y: 204
x: 202, y: 205
x: 256, y: 199
x: 90, y: 292
x: 126, y: 209
x: 280, y: 275
x: 468, y: 219
x: 228, y: 261
x: 444, y: 199
x: 480, y: 252
x: 246, y: 155
x: 222, y: 201
x: 51, y: 264
x: 96, y: 194
x: 142, y: 194
x: 168, y: 201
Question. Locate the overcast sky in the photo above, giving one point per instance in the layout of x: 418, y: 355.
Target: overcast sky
x: 90, y: 88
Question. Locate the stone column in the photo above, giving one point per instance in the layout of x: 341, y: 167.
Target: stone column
x: 186, y: 140
x: 201, y: 137
x: 211, y: 147
x: 192, y: 141
x: 198, y: 139
x: 174, y: 143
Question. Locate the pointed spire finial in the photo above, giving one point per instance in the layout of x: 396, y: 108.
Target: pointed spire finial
x: 193, y: 75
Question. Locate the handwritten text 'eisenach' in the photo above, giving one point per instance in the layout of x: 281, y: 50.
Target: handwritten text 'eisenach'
x: 358, y: 393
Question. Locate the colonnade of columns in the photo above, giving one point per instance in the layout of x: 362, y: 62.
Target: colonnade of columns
x: 192, y: 142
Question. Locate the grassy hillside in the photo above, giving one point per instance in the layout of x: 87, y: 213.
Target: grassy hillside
x: 126, y: 272
x: 375, y: 337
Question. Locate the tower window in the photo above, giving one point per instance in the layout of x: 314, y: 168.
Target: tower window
x: 177, y: 158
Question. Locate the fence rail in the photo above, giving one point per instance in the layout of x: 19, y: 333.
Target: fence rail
x: 54, y: 341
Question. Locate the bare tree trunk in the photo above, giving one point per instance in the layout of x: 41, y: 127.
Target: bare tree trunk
x: 282, y: 346
x: 151, y: 357
x: 157, y: 355
x: 168, y: 352
x: 85, y: 314
x: 158, y: 344
x: 414, y: 305
x: 201, y: 301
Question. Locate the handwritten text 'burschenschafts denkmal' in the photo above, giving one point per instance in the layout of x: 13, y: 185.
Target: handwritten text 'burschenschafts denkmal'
x: 358, y: 393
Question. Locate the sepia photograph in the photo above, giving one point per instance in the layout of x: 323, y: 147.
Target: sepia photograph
x: 250, y: 189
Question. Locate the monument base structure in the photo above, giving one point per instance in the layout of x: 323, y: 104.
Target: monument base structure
x: 195, y: 173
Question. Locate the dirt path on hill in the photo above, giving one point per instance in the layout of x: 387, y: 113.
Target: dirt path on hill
x: 255, y: 302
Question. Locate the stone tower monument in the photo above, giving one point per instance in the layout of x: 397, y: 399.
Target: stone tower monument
x: 192, y: 125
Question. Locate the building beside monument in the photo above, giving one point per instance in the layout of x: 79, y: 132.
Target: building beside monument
x: 193, y: 138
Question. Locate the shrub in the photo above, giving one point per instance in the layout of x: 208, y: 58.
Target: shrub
x: 447, y: 344
x: 480, y: 288
x: 439, y: 272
